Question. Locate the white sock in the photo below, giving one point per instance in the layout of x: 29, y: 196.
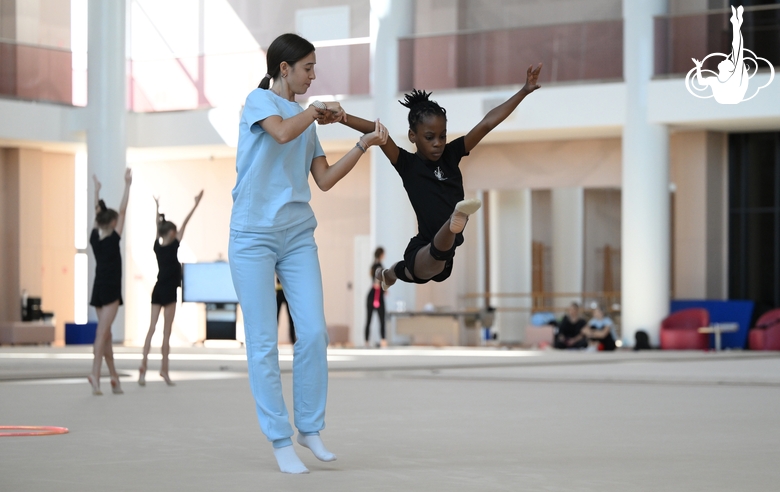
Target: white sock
x: 463, y: 209
x: 317, y: 447
x: 288, y: 460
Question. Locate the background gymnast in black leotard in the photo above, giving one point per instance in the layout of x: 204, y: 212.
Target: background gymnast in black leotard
x: 107, y: 289
x: 164, y: 295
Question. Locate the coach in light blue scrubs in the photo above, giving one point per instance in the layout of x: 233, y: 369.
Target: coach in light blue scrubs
x: 272, y: 231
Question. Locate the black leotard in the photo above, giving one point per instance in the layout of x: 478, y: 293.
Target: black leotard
x: 108, y: 272
x: 169, y: 273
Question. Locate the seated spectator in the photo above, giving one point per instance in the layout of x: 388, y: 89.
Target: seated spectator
x: 570, y: 329
x: 600, y: 330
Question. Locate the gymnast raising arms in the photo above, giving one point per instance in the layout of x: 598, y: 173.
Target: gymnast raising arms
x: 164, y: 295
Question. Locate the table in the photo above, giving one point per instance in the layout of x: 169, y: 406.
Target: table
x: 717, y: 329
x: 439, y: 328
x: 19, y: 332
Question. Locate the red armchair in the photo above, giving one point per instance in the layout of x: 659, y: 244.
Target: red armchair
x: 680, y: 330
x: 766, y: 334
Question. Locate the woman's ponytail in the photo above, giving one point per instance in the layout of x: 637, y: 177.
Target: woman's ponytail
x: 265, y: 83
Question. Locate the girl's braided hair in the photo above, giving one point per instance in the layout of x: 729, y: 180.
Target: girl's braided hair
x: 420, y: 106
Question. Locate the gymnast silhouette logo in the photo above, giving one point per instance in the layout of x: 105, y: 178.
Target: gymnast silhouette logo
x: 439, y: 174
x: 730, y: 85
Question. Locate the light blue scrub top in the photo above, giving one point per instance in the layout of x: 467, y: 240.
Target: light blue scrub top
x: 272, y: 188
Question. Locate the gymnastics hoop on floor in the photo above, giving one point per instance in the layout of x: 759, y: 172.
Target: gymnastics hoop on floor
x: 31, y: 430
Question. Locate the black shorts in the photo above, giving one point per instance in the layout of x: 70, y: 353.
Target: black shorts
x: 410, y: 256
x: 164, y: 293
x: 106, y: 291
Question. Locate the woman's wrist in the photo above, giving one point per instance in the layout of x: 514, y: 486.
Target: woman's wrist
x: 362, y: 145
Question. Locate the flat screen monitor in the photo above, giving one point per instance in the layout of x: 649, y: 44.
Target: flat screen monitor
x: 208, y: 282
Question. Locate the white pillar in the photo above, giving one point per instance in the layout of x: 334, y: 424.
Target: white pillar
x: 106, y: 112
x: 511, y: 259
x: 645, y: 196
x: 392, y: 217
x: 568, y: 233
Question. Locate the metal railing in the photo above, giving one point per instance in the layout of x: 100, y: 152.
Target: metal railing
x: 586, y: 51
x: 206, y: 81
x: 36, y: 73
x: 534, y: 302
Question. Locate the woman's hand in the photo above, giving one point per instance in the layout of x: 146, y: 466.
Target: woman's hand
x: 97, y: 182
x: 332, y: 113
x: 377, y: 137
x: 531, y: 78
x: 128, y: 176
x: 198, y: 197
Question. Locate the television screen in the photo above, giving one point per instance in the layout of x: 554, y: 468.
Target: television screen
x: 208, y: 282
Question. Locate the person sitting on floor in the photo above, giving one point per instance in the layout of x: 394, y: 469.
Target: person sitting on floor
x: 570, y: 329
x: 600, y: 330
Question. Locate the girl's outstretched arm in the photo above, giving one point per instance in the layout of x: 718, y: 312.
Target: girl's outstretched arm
x: 180, y: 233
x: 97, y: 199
x: 157, y: 217
x: 389, y: 148
x: 120, y: 222
x: 501, y: 112
x: 326, y: 175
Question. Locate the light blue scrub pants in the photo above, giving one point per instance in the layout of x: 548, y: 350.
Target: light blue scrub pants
x: 292, y: 254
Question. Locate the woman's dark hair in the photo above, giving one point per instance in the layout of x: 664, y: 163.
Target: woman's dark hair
x: 379, y: 252
x: 105, y: 215
x: 286, y: 48
x: 420, y: 106
x: 164, y: 226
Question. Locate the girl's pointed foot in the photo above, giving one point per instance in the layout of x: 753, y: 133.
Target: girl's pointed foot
x: 167, y: 379
x: 95, y: 385
x: 115, y: 387
x: 142, y: 376
x: 463, y: 209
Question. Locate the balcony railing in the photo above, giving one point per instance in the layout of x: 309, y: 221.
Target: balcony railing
x: 680, y: 38
x: 587, y: 51
x: 206, y: 81
x: 36, y: 73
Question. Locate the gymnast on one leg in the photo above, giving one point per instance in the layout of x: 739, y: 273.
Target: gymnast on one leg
x: 166, y: 248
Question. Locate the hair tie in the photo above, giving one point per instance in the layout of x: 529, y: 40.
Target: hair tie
x: 268, y: 76
x: 162, y: 217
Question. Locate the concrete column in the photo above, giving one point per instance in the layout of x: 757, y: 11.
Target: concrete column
x: 106, y: 146
x: 510, y: 259
x: 568, y: 234
x: 392, y: 217
x: 645, y: 197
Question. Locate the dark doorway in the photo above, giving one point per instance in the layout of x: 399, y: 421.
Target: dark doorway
x: 754, y: 219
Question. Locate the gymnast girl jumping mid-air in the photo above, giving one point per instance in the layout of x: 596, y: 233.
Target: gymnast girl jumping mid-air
x: 107, y: 289
x: 166, y: 248
x: 434, y: 183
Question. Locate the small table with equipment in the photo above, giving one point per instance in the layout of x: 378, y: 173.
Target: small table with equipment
x: 717, y: 329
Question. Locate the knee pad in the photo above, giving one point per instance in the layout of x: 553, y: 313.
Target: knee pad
x: 400, y: 272
x: 439, y: 255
